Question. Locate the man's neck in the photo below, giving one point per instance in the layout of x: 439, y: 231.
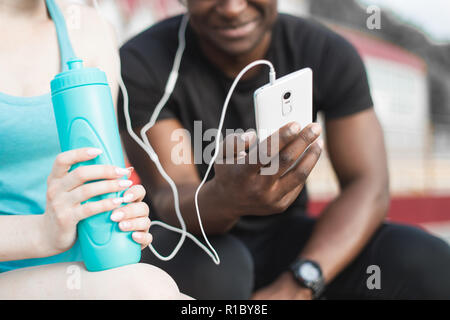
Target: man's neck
x: 232, y: 65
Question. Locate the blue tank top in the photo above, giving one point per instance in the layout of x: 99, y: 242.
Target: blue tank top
x: 29, y: 144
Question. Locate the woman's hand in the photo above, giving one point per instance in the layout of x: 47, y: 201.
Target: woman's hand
x: 134, y: 216
x: 66, y: 191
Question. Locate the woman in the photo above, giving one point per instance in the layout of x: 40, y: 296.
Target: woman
x: 40, y: 200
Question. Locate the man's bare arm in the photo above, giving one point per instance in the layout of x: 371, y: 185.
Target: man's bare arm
x: 357, y: 152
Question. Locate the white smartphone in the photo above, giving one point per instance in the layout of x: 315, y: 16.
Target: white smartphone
x: 289, y: 99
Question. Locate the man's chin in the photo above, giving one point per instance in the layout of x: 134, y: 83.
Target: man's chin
x: 235, y: 48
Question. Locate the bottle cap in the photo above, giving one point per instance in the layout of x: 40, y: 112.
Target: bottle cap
x: 77, y: 76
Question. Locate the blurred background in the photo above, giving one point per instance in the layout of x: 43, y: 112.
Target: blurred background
x: 405, y: 45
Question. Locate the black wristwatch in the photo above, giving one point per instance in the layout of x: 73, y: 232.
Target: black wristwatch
x: 309, y: 275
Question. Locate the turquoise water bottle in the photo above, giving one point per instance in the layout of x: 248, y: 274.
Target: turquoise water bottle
x: 85, y: 117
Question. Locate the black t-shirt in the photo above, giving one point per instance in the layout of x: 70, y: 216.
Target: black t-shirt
x: 340, y: 81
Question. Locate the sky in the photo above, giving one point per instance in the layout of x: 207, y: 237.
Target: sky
x: 431, y: 16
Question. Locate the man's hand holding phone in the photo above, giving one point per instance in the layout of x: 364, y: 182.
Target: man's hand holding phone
x: 251, y: 193
x: 264, y: 176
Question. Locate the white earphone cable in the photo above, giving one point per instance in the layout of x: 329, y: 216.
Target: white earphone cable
x: 146, y: 146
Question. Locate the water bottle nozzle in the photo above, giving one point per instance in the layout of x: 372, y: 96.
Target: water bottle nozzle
x: 75, y: 64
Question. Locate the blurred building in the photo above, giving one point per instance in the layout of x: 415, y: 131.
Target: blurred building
x: 399, y: 86
x: 409, y: 80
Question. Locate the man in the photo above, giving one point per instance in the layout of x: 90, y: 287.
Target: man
x: 269, y: 248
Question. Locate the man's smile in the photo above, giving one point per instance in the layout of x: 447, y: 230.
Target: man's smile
x: 237, y: 31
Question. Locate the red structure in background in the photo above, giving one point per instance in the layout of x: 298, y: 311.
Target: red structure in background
x: 410, y: 210
x: 368, y: 45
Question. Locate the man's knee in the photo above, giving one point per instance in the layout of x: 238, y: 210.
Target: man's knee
x: 235, y: 274
x: 197, y: 275
x: 422, y: 262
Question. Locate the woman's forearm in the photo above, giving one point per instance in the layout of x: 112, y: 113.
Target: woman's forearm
x: 22, y: 237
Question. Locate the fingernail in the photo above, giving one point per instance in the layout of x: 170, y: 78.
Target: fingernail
x: 137, y: 235
x: 118, y: 200
x: 94, y: 151
x: 127, y: 198
x: 125, y: 183
x: 316, y: 129
x: 116, y: 216
x: 294, y: 128
x: 242, y: 154
x: 320, y: 143
x: 124, y: 225
x: 122, y: 171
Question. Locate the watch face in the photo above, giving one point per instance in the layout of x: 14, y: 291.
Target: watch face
x: 309, y: 272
